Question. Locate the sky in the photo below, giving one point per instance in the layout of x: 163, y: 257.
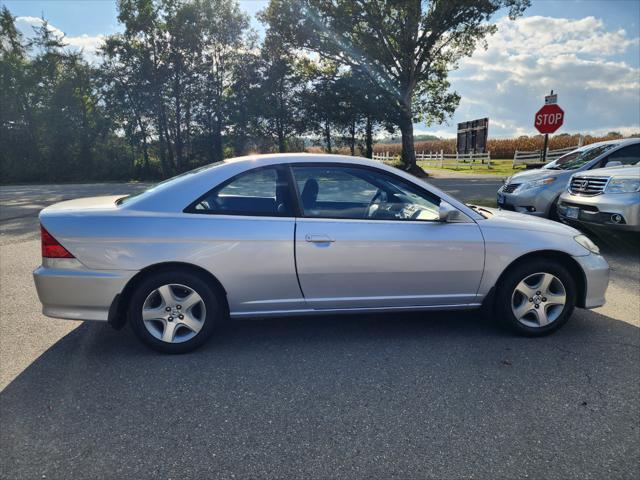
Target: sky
x: 587, y: 51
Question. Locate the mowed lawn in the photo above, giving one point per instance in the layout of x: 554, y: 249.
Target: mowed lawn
x: 499, y: 167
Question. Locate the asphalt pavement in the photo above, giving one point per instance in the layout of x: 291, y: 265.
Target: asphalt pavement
x: 442, y: 396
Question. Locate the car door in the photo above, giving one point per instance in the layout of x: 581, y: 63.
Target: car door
x: 247, y: 224
x: 370, y: 239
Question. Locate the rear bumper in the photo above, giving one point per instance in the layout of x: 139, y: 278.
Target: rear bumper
x: 77, y: 293
x: 596, y: 271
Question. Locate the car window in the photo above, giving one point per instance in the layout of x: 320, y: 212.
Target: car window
x: 262, y: 192
x: 579, y: 158
x: 166, y: 183
x: 629, y: 155
x: 360, y: 193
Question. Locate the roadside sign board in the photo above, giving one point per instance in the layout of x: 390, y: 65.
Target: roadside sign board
x: 549, y: 118
x: 551, y: 99
x: 472, y: 136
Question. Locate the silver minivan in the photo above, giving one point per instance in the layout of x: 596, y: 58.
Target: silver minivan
x: 536, y: 192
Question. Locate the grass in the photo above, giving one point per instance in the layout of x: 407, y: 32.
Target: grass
x: 499, y: 167
x: 483, y: 202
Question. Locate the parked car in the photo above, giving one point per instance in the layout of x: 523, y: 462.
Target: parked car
x: 536, y: 192
x: 604, y: 197
x: 302, y: 234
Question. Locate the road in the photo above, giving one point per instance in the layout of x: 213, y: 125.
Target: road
x: 387, y: 396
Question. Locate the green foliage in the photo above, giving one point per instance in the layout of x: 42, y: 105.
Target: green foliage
x: 186, y: 83
x: 406, y: 48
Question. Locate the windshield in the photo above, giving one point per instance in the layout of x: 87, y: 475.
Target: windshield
x: 167, y: 182
x: 578, y: 158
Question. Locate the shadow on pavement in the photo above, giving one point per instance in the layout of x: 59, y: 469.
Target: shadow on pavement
x: 395, y: 396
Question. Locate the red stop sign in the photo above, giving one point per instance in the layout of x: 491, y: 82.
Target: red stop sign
x: 549, y: 118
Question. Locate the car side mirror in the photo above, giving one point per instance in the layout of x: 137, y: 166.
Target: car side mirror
x: 613, y: 163
x: 447, y: 212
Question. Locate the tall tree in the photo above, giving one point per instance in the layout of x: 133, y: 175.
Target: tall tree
x: 282, y: 90
x: 406, y: 47
x: 224, y: 42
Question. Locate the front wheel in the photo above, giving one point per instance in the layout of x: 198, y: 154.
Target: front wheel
x: 537, y: 297
x: 174, y: 312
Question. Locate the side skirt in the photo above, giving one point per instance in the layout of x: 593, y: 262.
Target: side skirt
x: 330, y: 311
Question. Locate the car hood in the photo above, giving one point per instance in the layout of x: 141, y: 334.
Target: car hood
x: 537, y: 174
x: 520, y: 221
x: 619, y: 171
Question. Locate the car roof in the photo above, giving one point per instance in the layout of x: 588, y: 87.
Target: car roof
x: 268, y: 158
x: 619, y: 142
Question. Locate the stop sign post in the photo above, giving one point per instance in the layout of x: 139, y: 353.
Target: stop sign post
x: 548, y: 119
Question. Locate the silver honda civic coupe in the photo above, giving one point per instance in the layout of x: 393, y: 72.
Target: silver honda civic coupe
x: 301, y: 234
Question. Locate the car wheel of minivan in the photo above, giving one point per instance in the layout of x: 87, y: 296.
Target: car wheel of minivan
x: 174, y: 311
x: 536, y: 297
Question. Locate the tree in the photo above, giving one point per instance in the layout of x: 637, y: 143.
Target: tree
x: 223, y: 46
x: 321, y: 102
x: 282, y: 90
x: 242, y: 103
x: 406, y: 47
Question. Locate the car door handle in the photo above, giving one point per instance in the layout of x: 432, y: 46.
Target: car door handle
x: 319, y: 238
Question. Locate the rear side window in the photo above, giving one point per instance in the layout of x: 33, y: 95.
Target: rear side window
x: 258, y: 192
x: 629, y: 155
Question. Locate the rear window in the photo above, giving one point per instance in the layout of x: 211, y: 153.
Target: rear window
x: 166, y: 183
x: 259, y: 192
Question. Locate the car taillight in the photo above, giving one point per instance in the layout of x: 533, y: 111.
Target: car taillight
x: 51, y: 248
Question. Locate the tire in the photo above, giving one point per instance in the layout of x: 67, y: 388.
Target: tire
x: 180, y: 308
x: 519, y: 311
x: 553, y: 211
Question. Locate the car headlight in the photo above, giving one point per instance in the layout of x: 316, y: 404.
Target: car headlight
x: 586, y: 242
x: 537, y: 183
x: 623, y: 185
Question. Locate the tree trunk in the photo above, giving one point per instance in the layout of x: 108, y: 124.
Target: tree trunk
x: 166, y: 171
x: 369, y: 138
x: 327, y: 135
x: 408, y: 149
x: 282, y: 147
x: 218, y: 151
x: 352, y: 140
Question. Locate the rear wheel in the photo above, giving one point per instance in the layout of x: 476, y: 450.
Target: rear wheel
x: 174, y: 312
x: 537, y: 297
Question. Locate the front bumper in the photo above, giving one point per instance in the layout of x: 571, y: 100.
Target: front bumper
x: 600, y: 209
x: 596, y: 272
x: 534, y: 201
x: 68, y: 290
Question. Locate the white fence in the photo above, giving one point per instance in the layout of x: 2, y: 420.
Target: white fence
x: 453, y: 160
x: 441, y: 159
x: 382, y: 157
x: 534, y: 157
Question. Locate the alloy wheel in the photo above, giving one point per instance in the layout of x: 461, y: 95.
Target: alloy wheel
x: 538, y: 300
x: 173, y: 313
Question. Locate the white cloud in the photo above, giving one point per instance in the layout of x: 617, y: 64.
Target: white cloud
x: 581, y: 60
x: 87, y: 44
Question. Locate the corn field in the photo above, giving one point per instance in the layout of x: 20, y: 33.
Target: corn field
x: 499, y: 148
